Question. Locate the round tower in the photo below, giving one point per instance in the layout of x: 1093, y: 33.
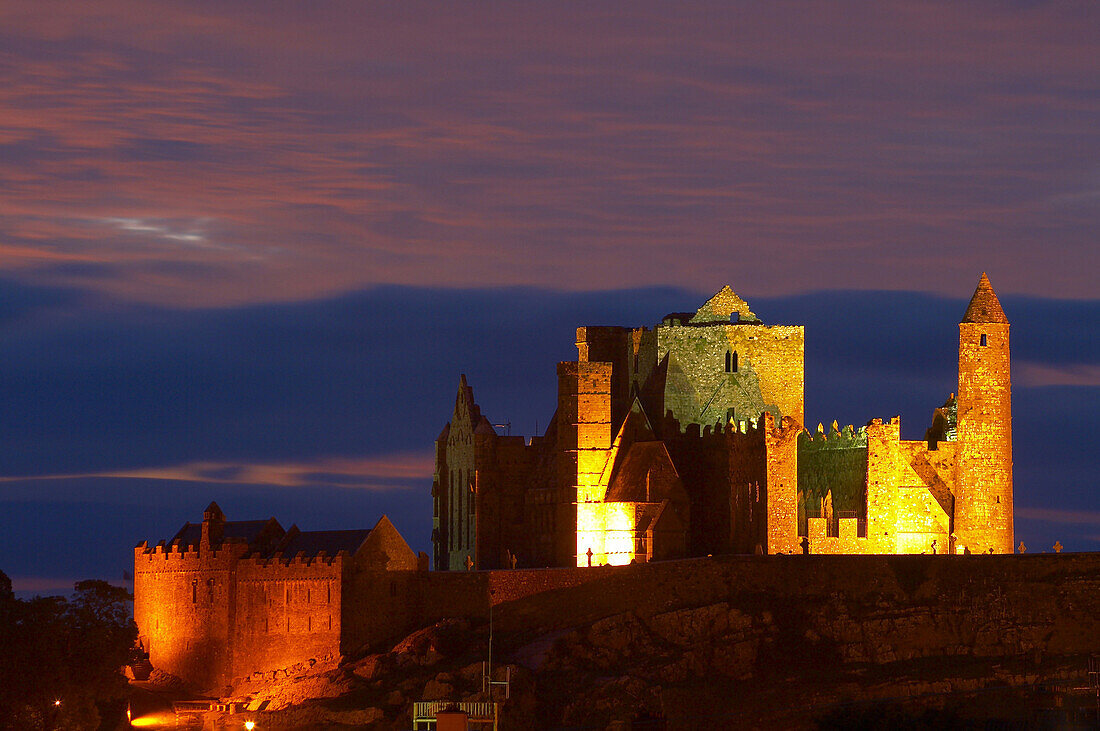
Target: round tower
x: 983, y: 488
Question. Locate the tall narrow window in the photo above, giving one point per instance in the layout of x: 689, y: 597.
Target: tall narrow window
x: 728, y: 361
x: 731, y: 362
x: 195, y: 591
x: 984, y: 341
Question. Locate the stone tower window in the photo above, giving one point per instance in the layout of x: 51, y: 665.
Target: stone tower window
x: 195, y: 591
x: 984, y: 341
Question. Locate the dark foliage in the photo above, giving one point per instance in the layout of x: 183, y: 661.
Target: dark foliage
x: 62, y: 658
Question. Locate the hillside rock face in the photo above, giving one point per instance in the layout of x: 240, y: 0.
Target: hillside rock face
x: 768, y: 642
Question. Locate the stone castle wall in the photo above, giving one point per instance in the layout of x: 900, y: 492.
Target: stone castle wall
x: 184, y: 607
x: 286, y: 611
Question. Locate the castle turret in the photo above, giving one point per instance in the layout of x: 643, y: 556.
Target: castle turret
x: 213, y: 526
x: 983, y: 491
x: 584, y: 436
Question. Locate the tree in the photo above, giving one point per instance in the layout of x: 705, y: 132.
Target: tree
x: 70, y: 651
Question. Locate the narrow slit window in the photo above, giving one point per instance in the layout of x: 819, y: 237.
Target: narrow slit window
x: 729, y: 361
x: 984, y: 341
x: 732, y: 362
x: 194, y: 592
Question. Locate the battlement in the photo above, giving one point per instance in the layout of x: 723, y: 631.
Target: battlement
x: 187, y: 553
x: 834, y: 437
x: 278, y: 559
x: 847, y: 538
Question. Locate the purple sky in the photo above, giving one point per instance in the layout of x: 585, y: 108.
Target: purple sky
x: 233, y: 153
x: 196, y: 200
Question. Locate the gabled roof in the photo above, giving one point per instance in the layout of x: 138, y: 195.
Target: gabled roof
x: 984, y: 305
x: 723, y: 304
x: 645, y: 475
x: 313, y: 542
x: 245, y: 531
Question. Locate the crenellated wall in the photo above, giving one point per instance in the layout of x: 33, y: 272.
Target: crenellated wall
x: 185, y: 607
x: 287, y: 611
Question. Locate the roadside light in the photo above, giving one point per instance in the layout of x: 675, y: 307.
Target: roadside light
x: 249, y: 725
x: 57, y: 702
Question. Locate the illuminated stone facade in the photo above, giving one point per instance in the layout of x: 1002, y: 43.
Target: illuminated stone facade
x: 225, y: 599
x: 687, y: 439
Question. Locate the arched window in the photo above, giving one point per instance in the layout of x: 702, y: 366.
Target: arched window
x: 731, y: 362
x: 727, y: 361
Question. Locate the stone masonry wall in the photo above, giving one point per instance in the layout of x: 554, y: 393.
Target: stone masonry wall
x: 287, y: 611
x: 184, y: 607
x: 775, y: 354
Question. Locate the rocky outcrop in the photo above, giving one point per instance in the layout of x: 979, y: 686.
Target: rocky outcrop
x: 766, y: 642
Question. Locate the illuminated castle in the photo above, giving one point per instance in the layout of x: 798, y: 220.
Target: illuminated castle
x: 687, y: 439
x: 224, y: 599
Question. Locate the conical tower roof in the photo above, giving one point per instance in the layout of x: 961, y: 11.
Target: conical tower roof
x: 984, y: 305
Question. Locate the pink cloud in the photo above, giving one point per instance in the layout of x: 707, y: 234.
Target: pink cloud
x: 1073, y: 374
x: 385, y: 472
x: 349, y: 146
x: 1055, y: 515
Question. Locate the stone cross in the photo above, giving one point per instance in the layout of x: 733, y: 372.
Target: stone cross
x: 469, y: 563
x: 1058, y: 546
x: 589, y: 554
x: 1021, y: 548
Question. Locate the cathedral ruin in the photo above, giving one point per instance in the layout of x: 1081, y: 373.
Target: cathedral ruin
x: 688, y: 439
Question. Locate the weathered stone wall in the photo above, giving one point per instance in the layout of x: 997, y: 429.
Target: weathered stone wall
x: 832, y: 468
x: 883, y: 479
x: 184, y: 607
x: 748, y: 488
x: 769, y: 358
x: 705, y: 462
x: 503, y: 467
x: 781, y: 444
x: 584, y: 437
x: 287, y: 612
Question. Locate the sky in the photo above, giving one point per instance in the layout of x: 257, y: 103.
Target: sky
x: 247, y: 249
